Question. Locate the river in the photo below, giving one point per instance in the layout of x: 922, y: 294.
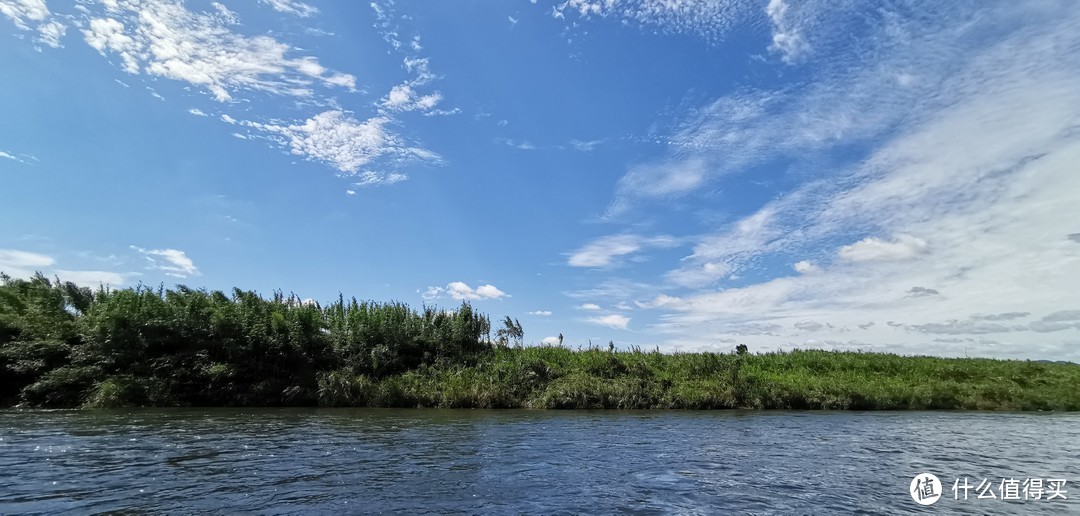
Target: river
x: 348, y: 461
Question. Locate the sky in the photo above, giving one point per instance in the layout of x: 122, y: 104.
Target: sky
x: 898, y: 176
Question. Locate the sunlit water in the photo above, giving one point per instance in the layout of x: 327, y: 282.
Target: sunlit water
x: 502, y: 462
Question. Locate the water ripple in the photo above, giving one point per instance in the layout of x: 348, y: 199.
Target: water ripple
x: 388, y: 461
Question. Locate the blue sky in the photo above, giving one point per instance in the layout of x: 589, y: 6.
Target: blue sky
x: 898, y: 176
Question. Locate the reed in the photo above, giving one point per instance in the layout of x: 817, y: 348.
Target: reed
x: 65, y: 346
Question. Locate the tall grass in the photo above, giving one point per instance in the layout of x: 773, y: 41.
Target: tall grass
x: 61, y: 345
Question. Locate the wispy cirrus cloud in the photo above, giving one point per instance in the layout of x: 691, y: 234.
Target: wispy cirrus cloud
x: 657, y: 181
x: 586, y: 145
x: 369, y: 178
x: 163, y: 38
x: 925, y: 226
x: 604, y: 251
x: 293, y: 7
x: 14, y: 157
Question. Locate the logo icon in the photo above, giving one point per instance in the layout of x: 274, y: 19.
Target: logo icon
x: 925, y: 489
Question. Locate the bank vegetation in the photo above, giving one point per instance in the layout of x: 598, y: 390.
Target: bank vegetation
x: 66, y: 346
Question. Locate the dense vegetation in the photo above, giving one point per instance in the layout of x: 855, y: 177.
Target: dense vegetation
x: 66, y: 346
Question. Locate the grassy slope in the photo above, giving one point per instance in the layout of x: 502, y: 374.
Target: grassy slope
x: 546, y: 377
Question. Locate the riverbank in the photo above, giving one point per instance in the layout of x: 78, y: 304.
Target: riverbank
x: 65, y: 346
x: 554, y: 378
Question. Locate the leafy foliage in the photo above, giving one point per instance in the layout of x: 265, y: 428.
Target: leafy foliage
x: 61, y: 345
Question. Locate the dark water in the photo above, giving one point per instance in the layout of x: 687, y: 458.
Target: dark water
x: 502, y: 462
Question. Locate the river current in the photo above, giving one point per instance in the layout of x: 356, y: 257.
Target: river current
x: 353, y: 461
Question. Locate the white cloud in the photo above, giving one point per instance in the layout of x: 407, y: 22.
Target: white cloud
x: 719, y: 255
x: 603, y: 251
x: 23, y: 264
x: 399, y: 95
x: 462, y: 292
x: 292, y: 7
x: 8, y: 155
x: 660, y: 301
x: 550, y: 341
x: 172, y: 262
x: 517, y: 144
x: 488, y: 292
x: 432, y: 293
x: 786, y: 38
x: 197, y: 112
x: 903, y: 247
x: 368, y: 178
x: 806, y: 267
x: 92, y: 279
x: 421, y: 68
x: 50, y: 33
x: 338, y: 139
x: 710, y: 20
x: 614, y: 321
x: 584, y: 146
x: 946, y: 212
x: 404, y: 98
x: 162, y: 38
x: 26, y: 12
x: 660, y: 180
x: 1007, y: 316
x: 589, y: 306
x: 541, y: 313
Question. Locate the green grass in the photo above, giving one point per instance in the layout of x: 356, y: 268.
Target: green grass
x: 557, y: 378
x: 65, y: 346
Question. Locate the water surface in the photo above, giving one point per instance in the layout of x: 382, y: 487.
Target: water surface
x: 500, y: 462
